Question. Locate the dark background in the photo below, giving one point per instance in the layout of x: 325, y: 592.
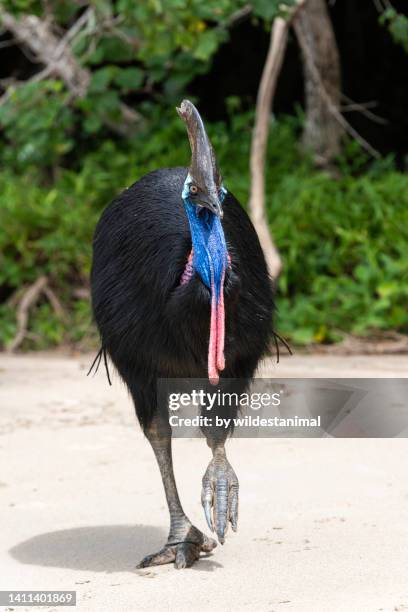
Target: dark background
x: 374, y: 68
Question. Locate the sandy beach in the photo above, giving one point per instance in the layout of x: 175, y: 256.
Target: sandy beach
x: 323, y: 522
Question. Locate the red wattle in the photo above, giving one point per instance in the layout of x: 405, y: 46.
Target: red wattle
x: 216, y: 359
x: 212, y: 345
x: 221, y: 327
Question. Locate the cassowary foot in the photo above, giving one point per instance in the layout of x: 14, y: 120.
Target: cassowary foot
x: 220, y: 493
x: 183, y: 553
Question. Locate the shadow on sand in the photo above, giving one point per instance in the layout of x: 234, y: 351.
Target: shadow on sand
x: 105, y: 548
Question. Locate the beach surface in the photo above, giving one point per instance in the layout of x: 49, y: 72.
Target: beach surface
x: 323, y: 523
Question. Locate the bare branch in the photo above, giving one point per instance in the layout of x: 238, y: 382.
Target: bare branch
x: 8, y: 43
x: 37, y: 36
x: 239, y: 15
x: 55, y: 303
x: 11, y: 87
x: 382, y: 5
x: 24, y: 300
x: 29, y: 299
x: 259, y: 142
x: 73, y: 31
x: 363, y: 107
x: 82, y: 293
x: 58, y: 58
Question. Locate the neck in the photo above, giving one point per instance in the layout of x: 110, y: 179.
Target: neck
x: 210, y: 259
x: 209, y: 248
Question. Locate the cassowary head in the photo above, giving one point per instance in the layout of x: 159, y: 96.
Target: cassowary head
x: 203, y: 194
x: 203, y: 186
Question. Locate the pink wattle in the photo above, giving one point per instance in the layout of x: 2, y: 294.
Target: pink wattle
x: 188, y: 270
x: 221, y: 327
x: 212, y: 345
x: 216, y: 359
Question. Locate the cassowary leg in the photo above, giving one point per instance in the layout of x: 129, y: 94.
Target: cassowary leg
x: 185, y: 542
x: 219, y: 495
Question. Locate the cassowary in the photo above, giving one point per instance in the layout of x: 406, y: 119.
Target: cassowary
x: 180, y: 289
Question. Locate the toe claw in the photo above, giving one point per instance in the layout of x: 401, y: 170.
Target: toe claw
x: 207, y: 512
x: 186, y: 555
x: 165, y: 555
x: 221, y: 529
x: 208, y: 544
x: 180, y: 562
x: 220, y: 509
x: 207, y: 502
x: 233, y: 506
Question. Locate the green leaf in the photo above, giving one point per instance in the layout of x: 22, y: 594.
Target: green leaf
x: 101, y: 79
x: 129, y: 78
x: 207, y: 45
x: 269, y: 9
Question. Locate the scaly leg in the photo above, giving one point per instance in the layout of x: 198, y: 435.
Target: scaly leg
x: 220, y: 489
x: 185, y: 542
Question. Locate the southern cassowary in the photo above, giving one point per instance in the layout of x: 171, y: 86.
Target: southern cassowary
x: 180, y: 289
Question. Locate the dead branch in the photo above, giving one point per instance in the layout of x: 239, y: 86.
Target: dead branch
x: 239, y: 15
x: 48, y: 50
x: 29, y: 299
x: 55, y: 303
x: 8, y: 43
x: 58, y: 58
x: 11, y: 87
x: 325, y: 96
x: 24, y: 300
x: 363, y: 108
x: 382, y: 5
x: 82, y: 293
x: 259, y: 142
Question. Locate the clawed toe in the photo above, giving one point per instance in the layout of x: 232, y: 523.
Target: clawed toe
x: 165, y: 555
x: 220, y: 497
x: 184, y: 554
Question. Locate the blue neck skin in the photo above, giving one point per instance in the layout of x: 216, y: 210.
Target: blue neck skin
x: 210, y: 253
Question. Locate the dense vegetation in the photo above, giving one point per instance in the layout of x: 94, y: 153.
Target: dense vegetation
x: 343, y: 238
x: 344, y: 241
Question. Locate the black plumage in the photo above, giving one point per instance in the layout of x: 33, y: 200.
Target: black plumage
x: 166, y: 270
x: 153, y: 327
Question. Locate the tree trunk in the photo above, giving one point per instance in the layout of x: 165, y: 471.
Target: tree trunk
x: 321, y: 66
x: 266, y: 91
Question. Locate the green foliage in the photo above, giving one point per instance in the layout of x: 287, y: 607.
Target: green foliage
x: 17, y: 7
x: 343, y: 241
x: 129, y: 47
x: 397, y: 23
x: 36, y: 120
x: 152, y: 48
x: 345, y: 248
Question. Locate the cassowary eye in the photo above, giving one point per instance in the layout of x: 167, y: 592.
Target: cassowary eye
x: 193, y: 189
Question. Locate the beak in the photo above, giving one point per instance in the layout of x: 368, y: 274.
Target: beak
x: 213, y: 204
x: 203, y: 167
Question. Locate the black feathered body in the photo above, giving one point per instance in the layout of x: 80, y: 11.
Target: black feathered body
x: 151, y: 325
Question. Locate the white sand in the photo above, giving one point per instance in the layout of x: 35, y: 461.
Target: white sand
x: 323, y: 523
